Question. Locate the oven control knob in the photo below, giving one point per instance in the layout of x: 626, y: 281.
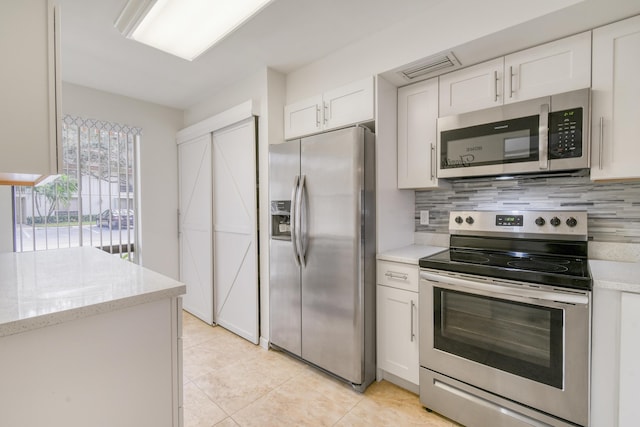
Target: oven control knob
x: 572, y: 222
x: 540, y: 221
x: 555, y: 221
x: 458, y: 220
x: 469, y: 220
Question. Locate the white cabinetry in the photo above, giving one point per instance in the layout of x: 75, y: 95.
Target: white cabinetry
x: 616, y: 101
x: 346, y: 105
x: 560, y: 66
x: 29, y: 83
x: 472, y: 88
x: 556, y: 67
x: 397, y: 320
x: 615, y: 354
x: 628, y: 409
x: 417, y: 135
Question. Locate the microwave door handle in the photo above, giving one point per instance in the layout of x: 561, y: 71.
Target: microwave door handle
x: 543, y: 137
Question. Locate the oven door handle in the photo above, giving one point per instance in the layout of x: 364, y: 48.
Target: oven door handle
x: 492, y: 289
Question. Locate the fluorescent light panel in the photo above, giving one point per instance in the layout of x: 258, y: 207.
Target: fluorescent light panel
x: 187, y: 28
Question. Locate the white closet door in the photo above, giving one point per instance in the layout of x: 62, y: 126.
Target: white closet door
x: 194, y: 165
x: 235, y: 229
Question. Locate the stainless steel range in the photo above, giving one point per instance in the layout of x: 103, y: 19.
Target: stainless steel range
x: 505, y: 320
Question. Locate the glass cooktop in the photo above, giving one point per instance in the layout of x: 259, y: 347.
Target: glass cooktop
x: 559, y: 270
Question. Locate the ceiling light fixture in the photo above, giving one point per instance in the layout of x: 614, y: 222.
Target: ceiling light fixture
x: 185, y: 28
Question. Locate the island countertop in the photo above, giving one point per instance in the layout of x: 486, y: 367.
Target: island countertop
x: 44, y: 288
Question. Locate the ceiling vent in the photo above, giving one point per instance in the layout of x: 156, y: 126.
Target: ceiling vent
x: 436, y: 64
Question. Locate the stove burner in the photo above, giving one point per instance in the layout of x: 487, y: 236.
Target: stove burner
x: 551, y: 260
x: 538, y: 266
x: 463, y: 256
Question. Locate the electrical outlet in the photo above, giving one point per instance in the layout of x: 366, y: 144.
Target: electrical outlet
x: 424, y: 217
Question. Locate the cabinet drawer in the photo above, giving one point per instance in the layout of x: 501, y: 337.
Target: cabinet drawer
x: 398, y: 275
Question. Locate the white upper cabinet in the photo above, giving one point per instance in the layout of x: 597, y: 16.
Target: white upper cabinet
x: 616, y: 101
x: 560, y: 66
x: 472, y: 88
x: 417, y: 135
x: 303, y: 117
x: 29, y: 83
x: 344, y: 106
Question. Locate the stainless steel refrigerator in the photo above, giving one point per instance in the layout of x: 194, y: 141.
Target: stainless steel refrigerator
x: 322, y: 252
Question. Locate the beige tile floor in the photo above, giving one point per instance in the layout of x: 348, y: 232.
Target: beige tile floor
x: 231, y: 382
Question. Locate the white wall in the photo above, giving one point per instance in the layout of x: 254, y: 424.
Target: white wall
x: 6, y: 219
x: 267, y: 88
x: 158, y: 165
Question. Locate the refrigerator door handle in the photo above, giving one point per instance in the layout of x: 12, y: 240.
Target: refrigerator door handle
x: 293, y: 219
x: 301, y: 216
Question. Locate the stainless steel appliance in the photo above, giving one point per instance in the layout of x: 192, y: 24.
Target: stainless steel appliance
x: 505, y: 320
x: 541, y: 135
x: 322, y: 252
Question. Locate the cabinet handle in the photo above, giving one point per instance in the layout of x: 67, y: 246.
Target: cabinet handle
x: 495, y: 85
x: 394, y: 275
x: 511, y: 91
x: 317, y: 116
x: 433, y: 162
x: 326, y: 112
x: 413, y: 335
x: 601, y: 146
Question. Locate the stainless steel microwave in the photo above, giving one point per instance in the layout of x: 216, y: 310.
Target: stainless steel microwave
x: 546, y: 134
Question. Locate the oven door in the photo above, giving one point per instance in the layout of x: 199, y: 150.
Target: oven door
x: 525, y: 343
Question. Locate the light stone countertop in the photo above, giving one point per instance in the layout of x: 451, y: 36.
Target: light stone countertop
x: 614, y: 275
x: 44, y: 288
x: 410, y: 254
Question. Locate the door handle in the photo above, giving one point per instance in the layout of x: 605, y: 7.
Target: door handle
x: 433, y: 162
x: 413, y: 335
x: 543, y: 137
x: 511, y: 75
x: 293, y: 218
x: 601, y: 145
x: 301, y: 233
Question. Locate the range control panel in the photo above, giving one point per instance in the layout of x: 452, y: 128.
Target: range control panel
x: 561, y: 223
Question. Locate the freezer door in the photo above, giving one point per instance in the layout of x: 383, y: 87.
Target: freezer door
x: 284, y: 273
x: 332, y: 291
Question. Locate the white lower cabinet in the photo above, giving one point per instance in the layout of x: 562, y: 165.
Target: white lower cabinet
x: 628, y: 408
x: 397, y: 322
x: 615, y: 374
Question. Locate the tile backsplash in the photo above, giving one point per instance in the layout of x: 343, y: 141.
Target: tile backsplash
x: 613, y: 208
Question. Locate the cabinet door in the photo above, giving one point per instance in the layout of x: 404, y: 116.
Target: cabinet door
x: 417, y: 135
x: 303, y: 117
x: 28, y: 84
x: 349, y: 104
x: 397, y: 326
x: 616, y: 101
x: 473, y: 88
x: 560, y: 66
x: 629, y: 411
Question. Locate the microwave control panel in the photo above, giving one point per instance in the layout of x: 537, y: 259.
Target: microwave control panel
x: 565, y: 134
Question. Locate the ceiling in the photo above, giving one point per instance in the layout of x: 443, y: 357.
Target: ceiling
x: 285, y: 36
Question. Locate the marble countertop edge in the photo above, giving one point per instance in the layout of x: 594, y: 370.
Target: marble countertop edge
x: 50, y: 319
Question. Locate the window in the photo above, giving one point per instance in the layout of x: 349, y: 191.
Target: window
x: 93, y: 201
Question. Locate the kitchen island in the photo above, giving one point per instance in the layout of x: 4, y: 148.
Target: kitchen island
x: 88, y: 339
